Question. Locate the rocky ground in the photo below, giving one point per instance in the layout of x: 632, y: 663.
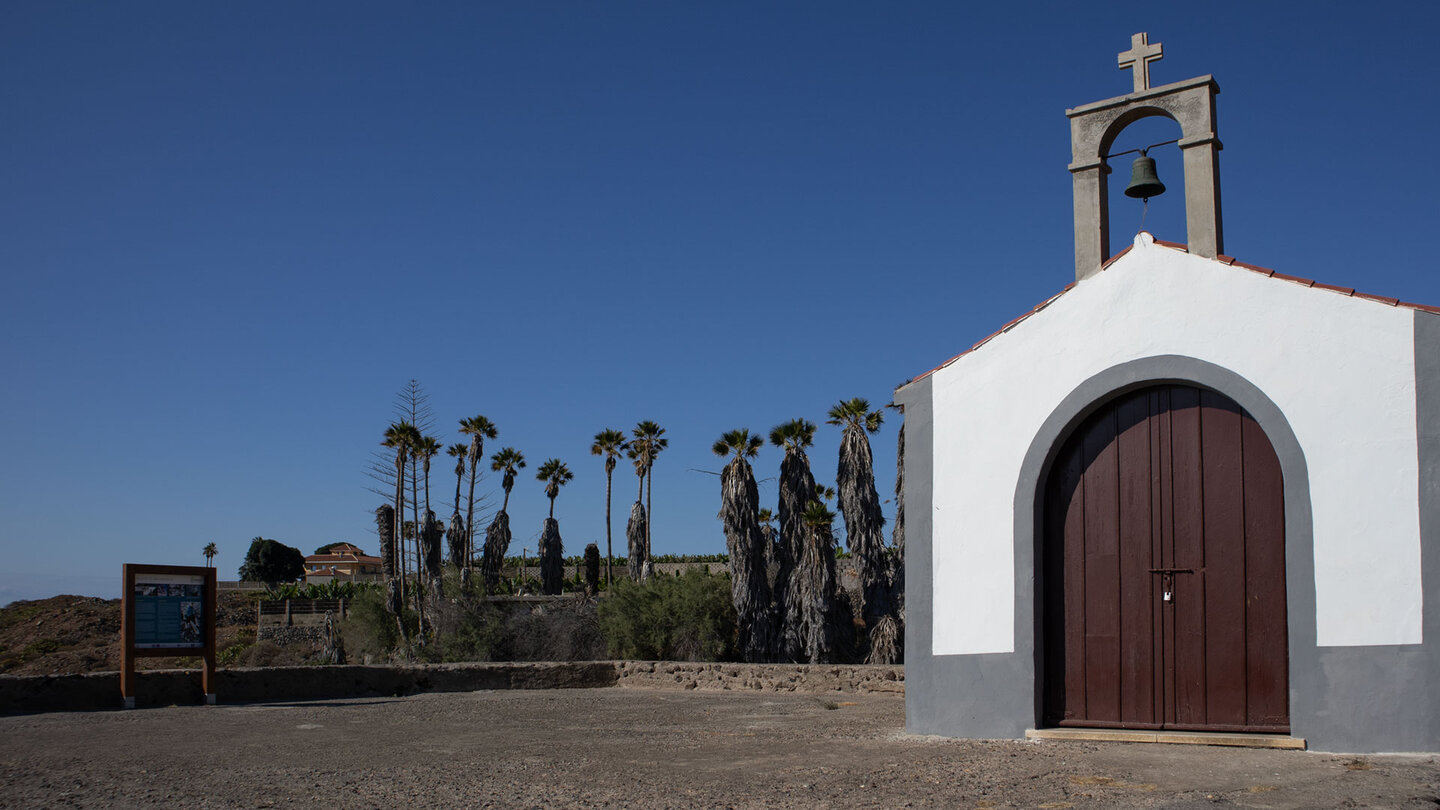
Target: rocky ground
x: 639, y: 748
x: 79, y: 634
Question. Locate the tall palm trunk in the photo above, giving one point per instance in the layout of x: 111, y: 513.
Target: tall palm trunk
x: 470, y: 506
x: 427, y: 486
x: 797, y: 490
x: 455, y: 538
x: 398, y: 549
x: 649, y: 506
x: 635, y: 535
x: 415, y: 518
x: 749, y: 587
x: 864, y: 522
x: 609, y: 556
x: 394, y: 600
x: 898, y: 537
x: 497, y: 543
x: 552, y: 558
x: 434, y: 531
x: 385, y: 527
x: 814, y: 637
x: 459, y: 476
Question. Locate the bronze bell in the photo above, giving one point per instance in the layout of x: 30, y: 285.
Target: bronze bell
x: 1143, y: 182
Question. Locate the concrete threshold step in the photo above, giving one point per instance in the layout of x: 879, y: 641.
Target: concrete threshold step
x: 1174, y: 737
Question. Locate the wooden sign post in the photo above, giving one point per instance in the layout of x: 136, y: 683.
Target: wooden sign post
x: 167, y: 610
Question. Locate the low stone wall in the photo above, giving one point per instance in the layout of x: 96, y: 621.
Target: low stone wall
x: 101, y: 690
x: 762, y: 677
x: 314, y: 636
x: 43, y: 693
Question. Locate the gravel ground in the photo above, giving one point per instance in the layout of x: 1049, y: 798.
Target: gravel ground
x: 639, y: 748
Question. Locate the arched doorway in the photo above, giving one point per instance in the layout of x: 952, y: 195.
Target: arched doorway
x: 1164, y: 568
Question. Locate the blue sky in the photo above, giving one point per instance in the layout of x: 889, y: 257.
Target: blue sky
x: 230, y: 233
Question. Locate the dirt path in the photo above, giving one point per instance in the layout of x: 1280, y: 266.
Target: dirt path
x: 638, y: 748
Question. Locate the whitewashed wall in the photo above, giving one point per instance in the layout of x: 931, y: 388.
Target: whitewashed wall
x: 1340, y: 368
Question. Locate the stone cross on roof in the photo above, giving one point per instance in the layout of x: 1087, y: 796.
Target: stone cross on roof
x: 1139, y: 57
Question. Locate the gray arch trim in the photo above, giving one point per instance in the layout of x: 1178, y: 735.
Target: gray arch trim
x: 1100, y: 389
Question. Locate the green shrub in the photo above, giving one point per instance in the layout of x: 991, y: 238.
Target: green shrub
x: 230, y: 656
x: 684, y: 618
x: 369, y: 629
x: 465, y: 630
x: 35, y: 649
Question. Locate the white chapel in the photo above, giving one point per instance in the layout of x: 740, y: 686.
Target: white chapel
x: 1184, y: 494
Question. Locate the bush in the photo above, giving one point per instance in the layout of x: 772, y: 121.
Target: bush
x: 684, y: 618
x: 272, y: 561
x: 370, y: 630
x: 469, y: 627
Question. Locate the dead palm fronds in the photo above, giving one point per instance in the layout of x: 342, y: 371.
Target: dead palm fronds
x: 860, y: 504
x: 746, y: 544
x: 635, y: 537
x: 455, y: 539
x: 797, y: 491
x: 552, y: 558
x: 497, y: 543
x: 816, y: 633
x: 385, y: 527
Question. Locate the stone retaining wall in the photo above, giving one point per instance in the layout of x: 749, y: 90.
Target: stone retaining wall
x: 42, y: 693
x: 282, y: 635
x: 761, y: 677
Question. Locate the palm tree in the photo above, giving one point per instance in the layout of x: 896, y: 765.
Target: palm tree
x: 817, y: 635
x: 555, y: 475
x: 458, y: 451
x: 455, y: 535
x: 638, y: 527
x: 428, y: 449
x: 610, y: 444
x: 397, y: 437
x: 412, y: 442
x: 797, y: 491
x: 210, y: 552
x: 740, y: 512
x: 648, y: 436
x: 860, y: 504
x: 552, y: 556
x: 427, y: 547
x: 507, y: 461
x: 497, y: 538
x: 478, y: 428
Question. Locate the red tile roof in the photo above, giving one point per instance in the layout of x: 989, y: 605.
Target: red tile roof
x: 1180, y: 246
x: 323, y: 559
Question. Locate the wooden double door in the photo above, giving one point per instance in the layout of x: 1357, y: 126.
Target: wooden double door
x: 1164, y: 569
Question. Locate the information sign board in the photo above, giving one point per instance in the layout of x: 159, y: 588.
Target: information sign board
x: 167, y: 610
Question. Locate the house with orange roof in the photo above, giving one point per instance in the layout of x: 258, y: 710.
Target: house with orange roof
x: 343, y: 562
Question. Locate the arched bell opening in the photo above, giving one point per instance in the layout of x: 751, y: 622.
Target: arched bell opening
x: 1163, y: 215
